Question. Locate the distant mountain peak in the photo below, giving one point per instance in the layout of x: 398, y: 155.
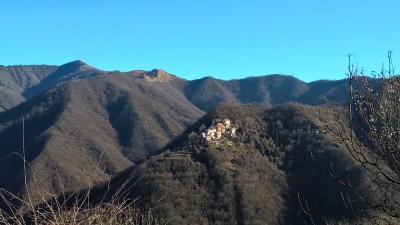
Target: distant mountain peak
x: 157, y: 75
x: 77, y: 64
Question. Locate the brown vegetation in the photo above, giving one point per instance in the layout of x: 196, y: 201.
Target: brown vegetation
x: 273, y: 172
x: 264, y: 176
x: 71, y: 208
x: 117, y: 118
x: 20, y: 83
x: 369, y: 130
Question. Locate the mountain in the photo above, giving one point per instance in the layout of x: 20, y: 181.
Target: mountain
x: 273, y: 172
x: 208, y: 92
x: 82, y: 125
x: 80, y: 132
x: 20, y: 83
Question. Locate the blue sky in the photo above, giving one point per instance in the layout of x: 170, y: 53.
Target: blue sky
x: 308, y: 39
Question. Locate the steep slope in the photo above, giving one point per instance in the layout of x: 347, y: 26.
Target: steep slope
x: 79, y: 133
x: 266, y: 175
x: 20, y: 83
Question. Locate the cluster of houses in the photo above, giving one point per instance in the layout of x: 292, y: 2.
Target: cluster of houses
x: 219, y: 128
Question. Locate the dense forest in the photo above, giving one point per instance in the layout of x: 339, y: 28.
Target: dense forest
x: 273, y: 172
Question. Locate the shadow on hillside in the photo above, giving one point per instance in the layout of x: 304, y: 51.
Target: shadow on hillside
x: 33, y: 133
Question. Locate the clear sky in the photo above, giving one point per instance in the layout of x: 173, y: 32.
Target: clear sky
x: 227, y: 39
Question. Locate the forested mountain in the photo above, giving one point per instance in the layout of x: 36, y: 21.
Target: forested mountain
x: 79, y: 125
x: 268, y: 174
x: 208, y: 92
x: 20, y: 83
x: 79, y: 133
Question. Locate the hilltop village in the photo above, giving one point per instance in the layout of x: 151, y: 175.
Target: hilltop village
x: 220, y: 128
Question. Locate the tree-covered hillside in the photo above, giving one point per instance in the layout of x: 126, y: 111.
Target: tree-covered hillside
x: 273, y: 172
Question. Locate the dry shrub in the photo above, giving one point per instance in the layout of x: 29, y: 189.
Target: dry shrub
x: 38, y: 206
x: 59, y: 210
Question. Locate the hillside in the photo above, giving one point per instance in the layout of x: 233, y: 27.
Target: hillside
x: 273, y: 168
x: 14, y: 80
x: 79, y: 133
x: 208, y: 92
x: 21, y: 83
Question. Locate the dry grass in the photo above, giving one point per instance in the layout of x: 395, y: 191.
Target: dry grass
x: 38, y: 206
x: 74, y: 208
x: 105, y: 213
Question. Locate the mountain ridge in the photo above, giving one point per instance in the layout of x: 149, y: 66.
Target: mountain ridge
x: 21, y: 83
x: 268, y: 89
x: 102, y: 123
x: 107, y: 121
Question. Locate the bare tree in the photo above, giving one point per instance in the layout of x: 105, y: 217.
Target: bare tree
x: 369, y: 128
